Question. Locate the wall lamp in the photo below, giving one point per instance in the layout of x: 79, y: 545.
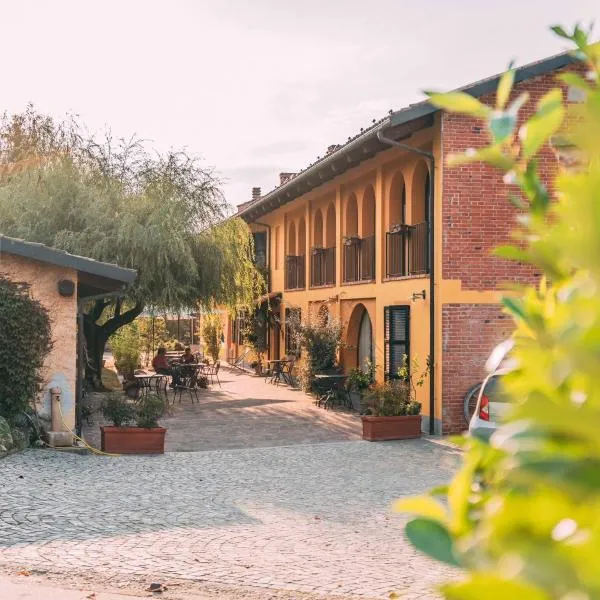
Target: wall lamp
x: 422, y: 295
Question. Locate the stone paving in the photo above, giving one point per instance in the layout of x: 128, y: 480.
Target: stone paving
x: 311, y: 518
x: 246, y: 412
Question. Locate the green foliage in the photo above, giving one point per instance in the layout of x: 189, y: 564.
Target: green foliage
x: 212, y: 330
x: 255, y: 332
x: 523, y: 511
x: 359, y: 379
x: 321, y: 342
x: 150, y: 408
x: 153, y: 334
x: 25, y: 341
x: 117, y: 409
x: 126, y: 345
x: 162, y: 214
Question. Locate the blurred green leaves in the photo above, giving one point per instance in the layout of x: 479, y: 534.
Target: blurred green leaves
x: 523, y: 513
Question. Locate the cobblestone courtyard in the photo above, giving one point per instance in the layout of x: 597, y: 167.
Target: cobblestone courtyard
x: 309, y: 517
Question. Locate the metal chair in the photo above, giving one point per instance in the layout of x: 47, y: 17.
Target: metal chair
x: 188, y: 380
x: 212, y: 371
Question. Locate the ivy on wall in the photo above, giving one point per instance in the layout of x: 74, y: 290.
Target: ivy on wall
x: 25, y: 341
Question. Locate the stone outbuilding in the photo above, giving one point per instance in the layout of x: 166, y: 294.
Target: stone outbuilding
x: 62, y: 282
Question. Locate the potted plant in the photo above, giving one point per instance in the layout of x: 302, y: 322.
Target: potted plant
x: 359, y: 381
x: 392, y: 410
x: 146, y: 437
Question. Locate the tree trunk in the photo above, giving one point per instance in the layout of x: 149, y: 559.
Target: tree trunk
x: 96, y: 337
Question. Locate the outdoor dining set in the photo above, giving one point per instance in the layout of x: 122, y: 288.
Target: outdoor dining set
x: 189, y: 377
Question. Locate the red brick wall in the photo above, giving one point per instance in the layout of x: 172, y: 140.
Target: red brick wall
x: 470, y: 333
x: 476, y: 213
x: 476, y: 217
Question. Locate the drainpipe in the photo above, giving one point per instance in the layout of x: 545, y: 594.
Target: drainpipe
x: 431, y: 264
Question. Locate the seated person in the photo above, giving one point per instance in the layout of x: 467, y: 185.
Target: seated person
x: 161, y: 365
x: 188, y: 357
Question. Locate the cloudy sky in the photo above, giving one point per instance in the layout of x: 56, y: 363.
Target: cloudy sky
x: 256, y: 87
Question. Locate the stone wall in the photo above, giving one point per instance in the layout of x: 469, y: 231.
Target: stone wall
x: 60, y: 365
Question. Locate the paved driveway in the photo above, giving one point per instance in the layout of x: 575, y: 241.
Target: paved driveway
x: 246, y: 412
x: 308, y: 517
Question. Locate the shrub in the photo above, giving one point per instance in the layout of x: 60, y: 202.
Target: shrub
x: 359, y: 380
x: 322, y: 343
x: 126, y: 345
x: 149, y: 409
x: 522, y: 514
x: 25, y: 341
x: 389, y: 399
x: 212, y: 331
x: 118, y: 410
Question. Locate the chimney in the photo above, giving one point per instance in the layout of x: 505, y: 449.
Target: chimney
x: 255, y: 193
x: 285, y: 177
x: 333, y: 148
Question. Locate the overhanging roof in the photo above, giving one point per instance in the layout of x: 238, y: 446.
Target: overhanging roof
x: 104, y: 274
x: 398, y: 125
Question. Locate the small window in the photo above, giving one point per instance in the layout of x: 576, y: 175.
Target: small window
x: 397, y: 338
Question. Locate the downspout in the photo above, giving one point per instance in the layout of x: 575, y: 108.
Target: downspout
x: 431, y: 264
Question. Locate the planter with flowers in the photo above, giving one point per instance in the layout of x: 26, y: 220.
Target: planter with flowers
x: 147, y: 437
x: 392, y: 410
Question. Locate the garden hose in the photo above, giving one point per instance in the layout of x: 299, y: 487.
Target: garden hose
x: 90, y: 448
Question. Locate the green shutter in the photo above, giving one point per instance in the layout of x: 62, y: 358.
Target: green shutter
x: 397, y: 338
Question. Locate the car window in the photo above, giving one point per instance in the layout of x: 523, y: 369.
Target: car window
x: 494, y: 390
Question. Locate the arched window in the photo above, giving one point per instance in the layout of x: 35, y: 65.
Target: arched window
x: 318, y: 229
x: 368, y: 213
x: 302, y: 237
x: 397, y: 202
x: 292, y: 240
x: 330, y: 237
x: 351, y: 217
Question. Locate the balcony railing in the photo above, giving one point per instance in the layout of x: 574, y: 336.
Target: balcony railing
x: 294, y: 272
x: 359, y: 259
x: 406, y: 250
x: 322, y: 267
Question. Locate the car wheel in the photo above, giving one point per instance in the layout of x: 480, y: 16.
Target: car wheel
x: 470, y: 402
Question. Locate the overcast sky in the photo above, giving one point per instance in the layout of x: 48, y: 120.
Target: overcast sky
x: 259, y: 86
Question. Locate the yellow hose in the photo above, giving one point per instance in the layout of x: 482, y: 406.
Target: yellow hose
x: 90, y: 448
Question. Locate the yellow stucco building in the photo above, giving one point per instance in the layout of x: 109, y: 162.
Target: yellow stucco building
x: 382, y: 235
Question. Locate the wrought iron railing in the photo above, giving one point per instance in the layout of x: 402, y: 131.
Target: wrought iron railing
x: 294, y: 272
x: 407, y: 250
x: 322, y: 267
x: 359, y: 259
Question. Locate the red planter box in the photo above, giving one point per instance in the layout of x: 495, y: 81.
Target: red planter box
x: 133, y: 440
x: 391, y: 428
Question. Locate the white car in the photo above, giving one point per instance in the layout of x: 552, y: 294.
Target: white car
x: 492, y: 404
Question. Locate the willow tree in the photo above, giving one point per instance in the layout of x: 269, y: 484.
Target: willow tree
x: 161, y: 214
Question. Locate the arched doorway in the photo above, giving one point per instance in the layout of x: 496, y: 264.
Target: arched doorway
x: 365, y: 343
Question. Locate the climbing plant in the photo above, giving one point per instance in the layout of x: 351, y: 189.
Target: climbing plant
x: 25, y: 341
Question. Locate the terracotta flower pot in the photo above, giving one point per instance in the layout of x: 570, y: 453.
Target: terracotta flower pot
x: 133, y: 440
x: 391, y: 428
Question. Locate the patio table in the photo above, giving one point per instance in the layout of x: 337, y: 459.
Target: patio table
x: 152, y: 382
x: 276, y: 367
x: 329, y: 386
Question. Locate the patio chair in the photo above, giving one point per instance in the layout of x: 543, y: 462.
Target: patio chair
x: 287, y: 371
x: 188, y: 381
x: 212, y: 371
x: 237, y: 363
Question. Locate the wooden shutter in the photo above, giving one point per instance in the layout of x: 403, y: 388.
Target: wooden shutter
x: 397, y: 338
